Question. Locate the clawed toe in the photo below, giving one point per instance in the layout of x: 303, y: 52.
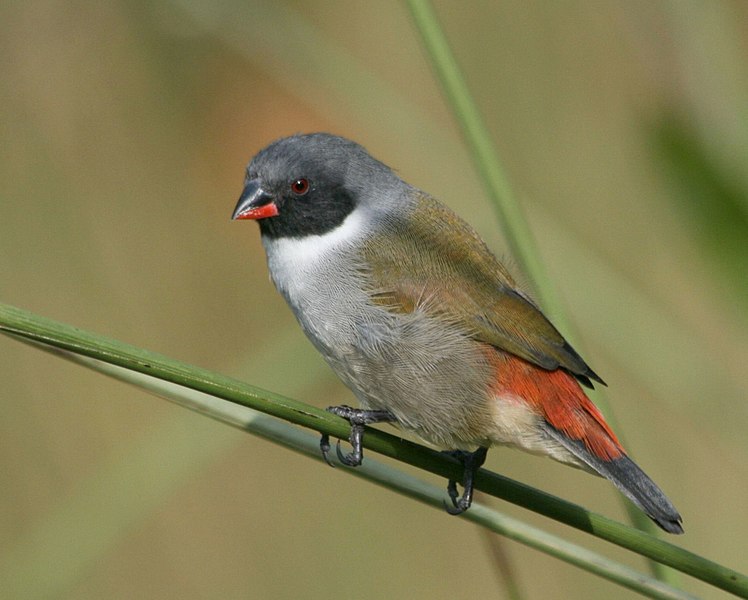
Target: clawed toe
x: 457, y: 509
x: 324, y: 446
x: 358, y: 418
x: 471, y: 462
x: 352, y: 459
x: 458, y: 504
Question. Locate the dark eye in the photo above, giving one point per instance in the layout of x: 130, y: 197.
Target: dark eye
x: 300, y: 186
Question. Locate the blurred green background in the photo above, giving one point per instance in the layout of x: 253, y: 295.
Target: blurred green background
x: 124, y: 131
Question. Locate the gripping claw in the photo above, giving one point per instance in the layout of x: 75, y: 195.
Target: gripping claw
x: 471, y: 461
x: 358, y: 418
x: 324, y: 446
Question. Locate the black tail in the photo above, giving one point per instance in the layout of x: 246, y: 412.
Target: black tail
x: 634, y: 483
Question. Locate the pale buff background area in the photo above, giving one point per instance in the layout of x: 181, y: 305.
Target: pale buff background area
x: 125, y: 128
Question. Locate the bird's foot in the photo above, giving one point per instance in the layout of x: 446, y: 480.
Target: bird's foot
x: 358, y: 418
x: 471, y: 462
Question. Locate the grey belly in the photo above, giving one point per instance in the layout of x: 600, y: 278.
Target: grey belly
x: 433, y: 378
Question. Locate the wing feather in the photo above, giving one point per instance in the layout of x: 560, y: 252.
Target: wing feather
x: 465, y: 284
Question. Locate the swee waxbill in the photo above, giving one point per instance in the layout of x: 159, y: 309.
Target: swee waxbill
x: 418, y: 318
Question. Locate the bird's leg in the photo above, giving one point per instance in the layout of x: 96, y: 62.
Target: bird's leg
x: 471, y: 462
x: 358, y: 418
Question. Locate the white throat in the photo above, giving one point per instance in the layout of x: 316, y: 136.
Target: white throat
x: 300, y: 251
x: 295, y: 262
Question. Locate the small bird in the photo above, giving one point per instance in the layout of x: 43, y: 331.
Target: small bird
x: 417, y: 317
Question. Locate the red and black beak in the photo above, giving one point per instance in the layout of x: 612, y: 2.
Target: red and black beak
x: 255, y: 203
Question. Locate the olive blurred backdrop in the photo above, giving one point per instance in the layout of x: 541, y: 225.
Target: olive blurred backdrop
x: 125, y: 130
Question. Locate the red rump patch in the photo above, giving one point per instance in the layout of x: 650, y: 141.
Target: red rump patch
x: 559, y: 398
